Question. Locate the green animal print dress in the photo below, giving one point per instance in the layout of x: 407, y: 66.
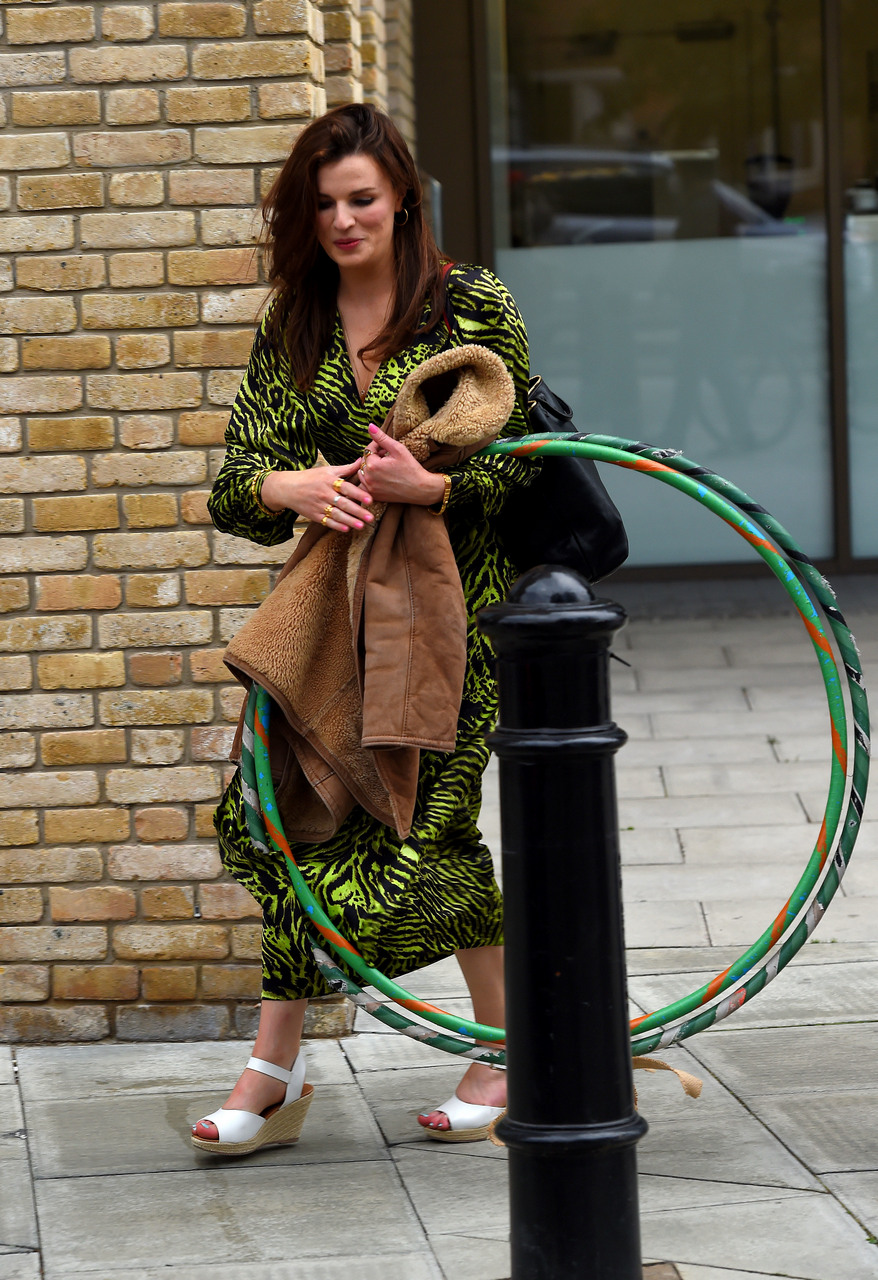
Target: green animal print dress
x: 402, y: 904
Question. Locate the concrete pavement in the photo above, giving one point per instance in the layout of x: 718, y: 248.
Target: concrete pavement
x: 773, y: 1171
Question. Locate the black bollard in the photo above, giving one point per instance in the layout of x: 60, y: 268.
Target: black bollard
x: 571, y: 1126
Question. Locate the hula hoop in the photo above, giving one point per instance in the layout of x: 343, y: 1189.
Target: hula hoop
x: 817, y: 885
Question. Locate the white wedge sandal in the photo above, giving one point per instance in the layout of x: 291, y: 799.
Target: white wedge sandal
x: 467, y: 1121
x: 243, y: 1131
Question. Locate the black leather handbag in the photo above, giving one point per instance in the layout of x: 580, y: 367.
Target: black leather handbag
x: 566, y: 516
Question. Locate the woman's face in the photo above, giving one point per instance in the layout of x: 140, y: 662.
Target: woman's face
x: 355, y: 207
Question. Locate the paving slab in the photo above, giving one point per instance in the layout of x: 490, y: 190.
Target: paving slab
x: 676, y: 924
x: 667, y: 960
x: 800, y: 1234
x: 702, y: 653
x: 82, y: 1071
x: 746, y: 780
x: 803, y: 746
x: 834, y: 1058
x: 801, y: 994
x: 769, y: 724
x: 383, y: 1053
x: 396, y: 1098
x: 699, y: 883
x: 721, y: 749
x: 87, y: 1137
x: 18, y: 1223
x: 847, y: 919
x: 468, y: 1257
x: 728, y: 846
x: 224, y: 1216
x: 7, y: 1070
x: 720, y: 811
x: 20, y: 1266
x: 453, y: 1193
x: 859, y: 1192
x: 676, y: 701
x: 831, y: 1133
x: 365, y: 1266
x: 687, y: 1271
x: 803, y: 673
x: 653, y: 846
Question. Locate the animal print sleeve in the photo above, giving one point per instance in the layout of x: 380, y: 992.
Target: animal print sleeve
x: 485, y: 312
x: 268, y: 428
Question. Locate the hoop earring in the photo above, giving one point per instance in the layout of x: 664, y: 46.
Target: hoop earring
x: 400, y: 222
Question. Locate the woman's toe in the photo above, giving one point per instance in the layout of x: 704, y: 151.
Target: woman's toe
x: 206, y: 1130
x: 434, y: 1120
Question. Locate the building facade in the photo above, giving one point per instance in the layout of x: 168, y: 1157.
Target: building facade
x: 136, y: 143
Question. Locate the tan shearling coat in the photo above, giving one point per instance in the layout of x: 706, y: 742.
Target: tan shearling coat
x: 362, y: 642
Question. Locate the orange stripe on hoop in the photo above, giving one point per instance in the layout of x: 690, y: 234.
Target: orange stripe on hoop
x: 635, y: 1022
x: 839, y: 748
x: 714, y: 987
x: 780, y: 922
x: 821, y: 640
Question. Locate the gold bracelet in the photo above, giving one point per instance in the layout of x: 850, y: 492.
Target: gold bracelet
x: 256, y: 491
x: 446, y: 495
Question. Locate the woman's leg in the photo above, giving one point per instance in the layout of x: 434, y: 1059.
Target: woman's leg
x: 277, y: 1041
x: 483, y: 970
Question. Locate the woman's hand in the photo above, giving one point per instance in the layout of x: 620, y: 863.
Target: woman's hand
x: 323, y: 494
x: 390, y: 473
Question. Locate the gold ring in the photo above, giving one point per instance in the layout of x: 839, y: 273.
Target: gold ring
x: 325, y: 520
x: 337, y: 484
x: 327, y: 510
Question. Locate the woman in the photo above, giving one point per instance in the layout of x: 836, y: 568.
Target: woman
x: 361, y: 298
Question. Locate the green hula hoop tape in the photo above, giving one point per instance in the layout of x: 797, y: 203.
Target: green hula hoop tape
x: 800, y: 914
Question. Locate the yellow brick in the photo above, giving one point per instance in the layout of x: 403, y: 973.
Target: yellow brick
x: 50, y: 26
x: 88, y: 511
x: 164, y: 862
x: 37, y: 315
x: 225, y: 901
x: 236, y: 306
x: 138, y: 311
x: 160, y: 146
x: 79, y: 106
x: 127, y: 22
x: 147, y: 430
x: 136, y: 230
x: 157, y: 707
x: 198, y: 105
x: 202, y: 428
x: 38, y: 789
x: 136, y: 270
x: 11, y: 515
x: 78, y: 352
x: 251, y: 144
x: 277, y: 101
x: 42, y: 395
x: 50, y: 942
x: 10, y: 435
x: 211, y: 186
x: 204, y: 814
x: 81, y: 671
x: 193, y: 507
x: 21, y: 982
x: 231, y: 701
x: 42, y: 711
x: 133, y: 470
x: 13, y: 594
x: 231, y: 982
x: 137, y: 188
x: 222, y: 387
x: 149, y: 591
x: 38, y: 475
x: 95, y: 982
x: 281, y: 17
x: 154, y: 630
x: 69, y: 826
x: 168, y: 982
x: 132, y: 106
x: 33, y: 555
x: 341, y: 25
x: 20, y: 906
x: 168, y: 942
x: 89, y: 746
x: 159, y: 823
x: 15, y: 673
x: 132, y: 391
x: 34, y: 151
x: 246, y: 941
x: 158, y: 785
x: 78, y: 591
x: 17, y: 750
x: 213, y: 266
x: 48, y: 435
x: 8, y: 355
x: 104, y: 902
x: 43, y: 1024
x: 76, y: 271
x: 157, y: 746
x: 104, y: 66
x: 158, y: 669
x: 254, y: 60
x: 207, y: 666
x: 149, y: 510
x: 142, y: 351
x: 210, y: 20
x: 32, y: 68
x: 18, y: 826
x: 213, y: 349
x: 226, y: 586
x: 148, y: 550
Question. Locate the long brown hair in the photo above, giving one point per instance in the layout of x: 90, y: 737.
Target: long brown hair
x: 304, y: 277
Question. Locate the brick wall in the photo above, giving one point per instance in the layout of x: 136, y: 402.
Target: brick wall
x: 137, y: 141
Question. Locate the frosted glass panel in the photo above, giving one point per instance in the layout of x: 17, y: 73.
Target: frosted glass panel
x: 861, y: 269
x: 716, y: 347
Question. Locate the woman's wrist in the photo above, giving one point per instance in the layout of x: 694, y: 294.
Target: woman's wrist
x: 266, y: 492
x: 437, y: 489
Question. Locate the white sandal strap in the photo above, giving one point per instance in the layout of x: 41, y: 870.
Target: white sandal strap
x: 234, y: 1126
x: 468, y: 1115
x: 270, y: 1069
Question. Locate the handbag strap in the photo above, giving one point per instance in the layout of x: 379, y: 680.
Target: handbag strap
x: 446, y: 268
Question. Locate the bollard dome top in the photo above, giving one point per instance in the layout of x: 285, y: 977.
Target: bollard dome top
x: 551, y: 584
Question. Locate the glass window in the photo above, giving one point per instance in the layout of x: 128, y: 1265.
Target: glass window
x: 658, y: 180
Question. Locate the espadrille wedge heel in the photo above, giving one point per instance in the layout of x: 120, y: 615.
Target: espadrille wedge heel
x: 243, y: 1131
